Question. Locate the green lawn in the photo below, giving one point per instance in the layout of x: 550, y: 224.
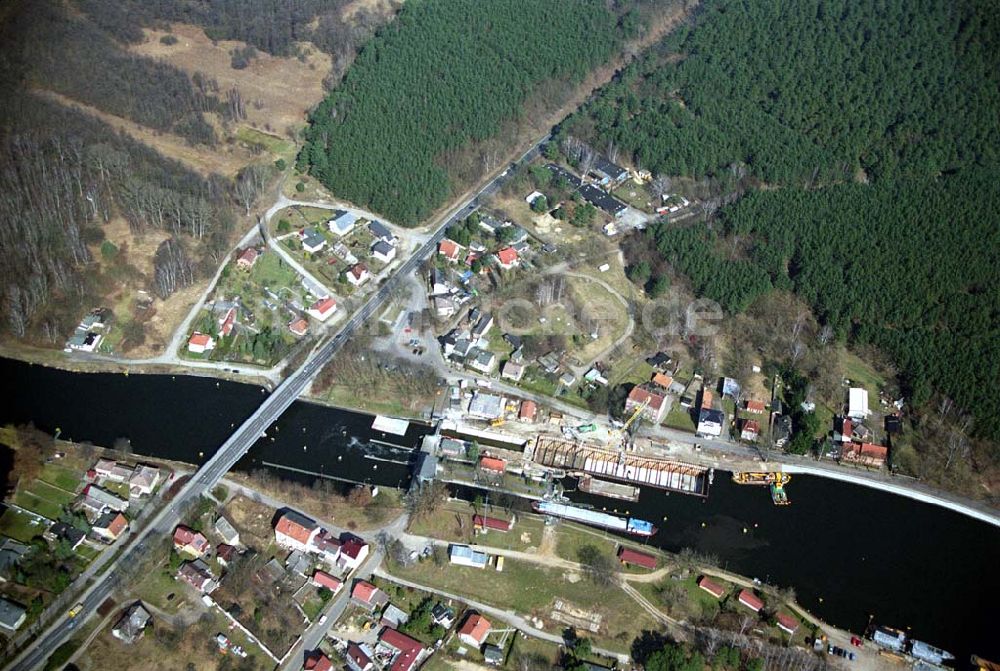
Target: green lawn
x: 88, y: 553
x: 860, y: 373
x: 280, y: 147
x: 271, y: 271
x: 19, y: 525
x: 157, y: 586
x: 680, y: 418
x: 36, y: 504
x: 61, y: 476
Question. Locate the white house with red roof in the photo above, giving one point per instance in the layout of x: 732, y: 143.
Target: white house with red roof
x: 317, y: 661
x: 368, y: 596
x: 322, y: 309
x: 786, y: 623
x: 474, y: 630
x: 654, y: 403
x: 299, y: 327
x: 295, y: 531
x: 227, y: 322
x: 508, y: 258
x: 324, y: 579
x: 353, y: 552
x: 199, y: 343
x: 189, y: 541
x: 450, y: 250
x: 750, y: 600
x: 750, y: 429
x: 358, y: 274
x: 247, y: 258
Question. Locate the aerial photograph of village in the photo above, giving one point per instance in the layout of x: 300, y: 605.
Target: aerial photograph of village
x: 459, y: 335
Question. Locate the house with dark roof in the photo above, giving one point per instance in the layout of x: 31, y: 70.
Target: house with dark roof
x: 61, y: 531
x: 603, y: 200
x: 383, y: 251
x: 710, y: 423
x: 132, y: 624
x: 608, y: 172
x: 312, y: 240
x: 358, y: 659
x: 381, y: 232
x: 12, y: 615
x: 353, y: 551
x: 197, y: 574
x: 443, y: 615
x: 492, y: 655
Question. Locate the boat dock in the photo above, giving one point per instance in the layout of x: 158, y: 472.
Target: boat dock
x: 622, y: 466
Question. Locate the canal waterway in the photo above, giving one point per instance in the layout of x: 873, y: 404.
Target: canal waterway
x: 850, y: 552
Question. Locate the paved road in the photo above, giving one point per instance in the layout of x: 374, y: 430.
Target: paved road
x: 247, y: 434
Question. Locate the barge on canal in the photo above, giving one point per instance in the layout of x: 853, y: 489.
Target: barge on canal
x: 628, y: 525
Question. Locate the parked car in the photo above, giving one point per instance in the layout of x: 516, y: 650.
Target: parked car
x: 857, y: 642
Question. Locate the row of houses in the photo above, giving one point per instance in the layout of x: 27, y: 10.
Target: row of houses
x: 295, y: 531
x: 750, y: 601
x: 142, y: 479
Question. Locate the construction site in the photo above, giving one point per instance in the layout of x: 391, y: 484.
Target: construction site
x: 621, y: 466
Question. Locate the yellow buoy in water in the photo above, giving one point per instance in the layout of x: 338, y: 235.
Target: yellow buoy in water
x: 744, y: 529
x: 340, y: 457
x: 303, y: 448
x: 703, y: 524
x: 201, y: 454
x: 375, y: 467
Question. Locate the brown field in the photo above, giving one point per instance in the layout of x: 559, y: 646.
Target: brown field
x: 278, y: 91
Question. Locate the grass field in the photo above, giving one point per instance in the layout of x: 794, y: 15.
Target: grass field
x: 19, y: 525
x: 531, y: 590
x: 37, y: 504
x: 280, y: 147
x: 60, y: 476
x: 679, y: 418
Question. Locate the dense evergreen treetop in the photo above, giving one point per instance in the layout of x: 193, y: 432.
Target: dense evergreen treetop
x: 815, y: 89
x: 443, y: 74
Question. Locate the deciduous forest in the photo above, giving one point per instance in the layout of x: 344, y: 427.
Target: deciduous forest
x: 445, y: 74
x: 874, y: 130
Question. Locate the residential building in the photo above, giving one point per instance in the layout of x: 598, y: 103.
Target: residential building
x: 317, y: 661
x: 247, y: 258
x: 710, y: 423
x: 324, y: 579
x: 110, y: 526
x: 662, y: 380
x: 327, y: 546
x: 60, y: 531
x: 474, y: 630
x: 383, y: 251
x: 483, y: 326
x: 843, y: 429
x: 299, y: 326
x: 865, y: 454
x: 11, y: 553
x: 353, y: 552
x: 368, y: 596
x: 603, y: 200
x: 295, y: 531
x: 750, y: 600
x: 143, y: 480
x: 358, y: 274
x: 322, y: 309
x: 609, y: 173
x: 199, y: 343
x: 630, y: 557
x: 493, y: 655
x: 484, y: 523
x: 486, y: 406
x: 341, y: 250
x: 567, y: 379
x: 450, y: 250
x: 508, y: 258
x: 439, y: 282
x: 512, y: 371
x: 786, y: 623
x: 404, y: 652
x: 394, y: 617
x: 443, y: 615
x: 227, y: 322
x: 756, y: 407
x: 298, y: 562
x: 197, y: 574
x: 494, y: 464
x: 653, y: 403
x: 225, y: 553
x: 463, y: 555
x: 112, y: 470
x: 528, y: 411
x: 445, y: 306
x: 312, y: 240
x: 187, y: 540
x: 342, y: 222
x: 358, y: 659
x: 711, y: 587
x: 132, y: 624
x: 105, y: 498
x: 857, y: 403
x: 659, y: 360
x: 83, y: 341
x: 12, y: 615
x: 750, y: 430
x: 594, y: 375
x: 781, y: 430
x: 482, y: 360
x: 381, y: 232
x: 227, y: 532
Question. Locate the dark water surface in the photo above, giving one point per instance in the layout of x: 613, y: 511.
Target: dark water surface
x: 849, y: 551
